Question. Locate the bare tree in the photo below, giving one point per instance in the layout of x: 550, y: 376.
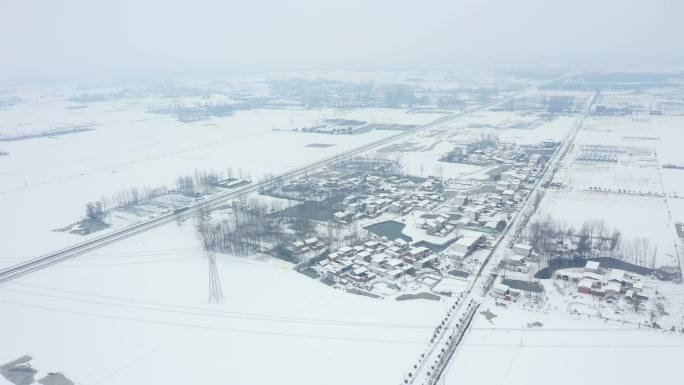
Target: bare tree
x: 185, y: 184
x: 95, y: 211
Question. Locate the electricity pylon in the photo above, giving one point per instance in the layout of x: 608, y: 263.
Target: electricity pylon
x: 215, y: 291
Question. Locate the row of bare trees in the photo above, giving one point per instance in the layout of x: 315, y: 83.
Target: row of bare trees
x: 202, y: 182
x: 97, y: 210
x: 552, y: 238
x: 249, y: 229
x: 526, y: 213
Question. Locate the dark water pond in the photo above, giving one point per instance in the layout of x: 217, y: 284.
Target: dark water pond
x: 392, y: 230
x: 435, y: 248
x: 408, y: 297
x: 389, y: 229
x: 611, y: 263
x: 315, y: 210
x: 523, y: 285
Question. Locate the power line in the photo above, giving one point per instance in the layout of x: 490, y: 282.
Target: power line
x: 215, y: 328
x: 180, y: 309
x: 143, y: 253
x: 80, y: 266
x: 232, y: 260
x: 579, y: 346
x: 126, y: 254
x: 560, y: 329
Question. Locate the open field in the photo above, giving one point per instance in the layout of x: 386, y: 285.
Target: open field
x: 141, y: 152
x: 421, y: 154
x: 562, y: 350
x: 634, y: 216
x: 512, y: 126
x: 613, y: 173
x: 109, y: 317
x: 341, y: 193
x: 364, y: 308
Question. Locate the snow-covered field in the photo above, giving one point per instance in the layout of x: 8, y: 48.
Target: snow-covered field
x: 512, y: 126
x: 677, y: 209
x: 641, y: 180
x: 421, y: 153
x: 126, y: 312
x: 563, y: 351
x: 632, y: 188
x: 634, y: 216
x: 47, y: 181
x: 421, y: 156
x: 673, y: 181
x: 521, y: 344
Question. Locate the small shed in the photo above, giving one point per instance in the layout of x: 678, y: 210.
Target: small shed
x: 592, y: 266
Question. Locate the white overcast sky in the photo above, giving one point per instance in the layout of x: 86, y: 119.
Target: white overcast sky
x: 75, y: 38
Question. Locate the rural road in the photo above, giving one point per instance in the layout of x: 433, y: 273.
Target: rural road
x: 72, y: 251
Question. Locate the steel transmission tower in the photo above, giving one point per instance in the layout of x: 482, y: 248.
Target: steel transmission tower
x: 215, y: 291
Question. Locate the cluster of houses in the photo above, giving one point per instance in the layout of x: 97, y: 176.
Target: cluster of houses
x: 318, y: 187
x: 367, y: 193
x: 512, y: 183
x: 521, y: 173
x: 502, y: 291
x: 518, y: 261
x: 358, y: 174
x: 337, y: 126
x: 482, y: 153
x: 598, y: 281
x: 306, y: 246
x: 362, y: 263
x: 482, y: 213
x: 389, y: 260
x: 467, y: 244
x: 389, y: 195
x: 490, y: 152
x: 542, y: 105
x: 440, y: 225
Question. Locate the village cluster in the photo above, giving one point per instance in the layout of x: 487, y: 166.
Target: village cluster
x: 419, y: 230
x: 396, y: 195
x: 592, y: 279
x: 488, y: 151
x: 598, y: 281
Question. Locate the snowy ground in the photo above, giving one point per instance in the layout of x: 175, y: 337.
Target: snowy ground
x: 562, y: 351
x: 121, y: 315
x: 677, y: 207
x: 512, y: 126
x: 421, y: 153
x: 634, y: 216
x: 47, y: 181
x: 633, y: 188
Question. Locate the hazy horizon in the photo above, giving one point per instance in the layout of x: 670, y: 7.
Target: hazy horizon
x: 76, y: 39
